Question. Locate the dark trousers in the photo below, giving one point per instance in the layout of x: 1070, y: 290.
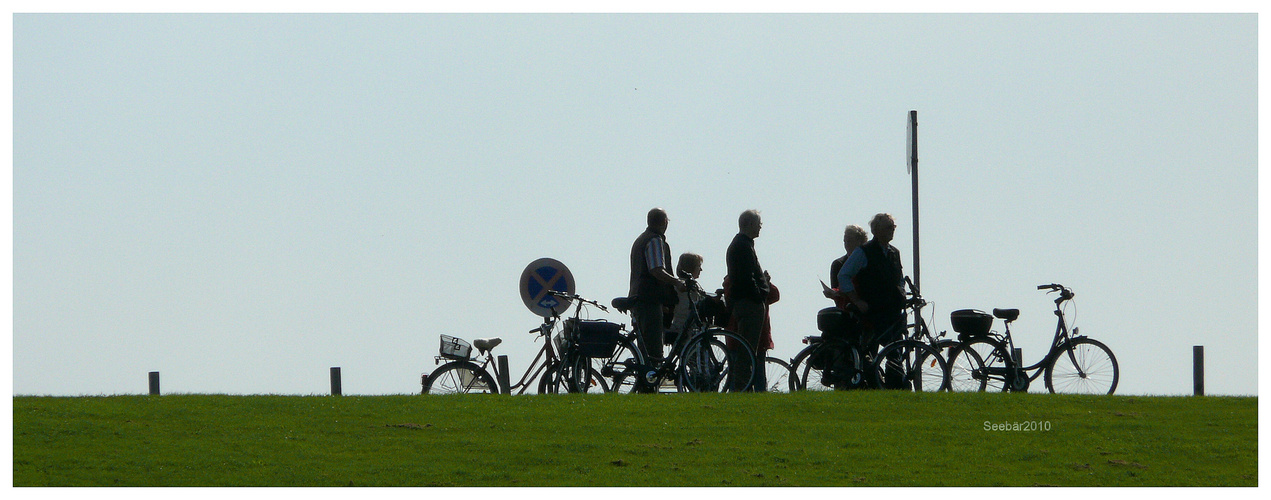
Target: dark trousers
x: 749, y: 315
x: 888, y: 328
x: 649, y: 323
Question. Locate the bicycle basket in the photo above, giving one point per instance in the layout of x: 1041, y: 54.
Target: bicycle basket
x: 594, y: 338
x: 561, y: 342
x: 971, y: 323
x: 455, y: 348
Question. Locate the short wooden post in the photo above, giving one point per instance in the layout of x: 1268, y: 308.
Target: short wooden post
x: 505, y: 381
x: 1198, y: 370
x: 335, y: 381
x: 154, y: 383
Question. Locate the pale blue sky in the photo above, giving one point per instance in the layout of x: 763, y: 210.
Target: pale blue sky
x: 243, y: 201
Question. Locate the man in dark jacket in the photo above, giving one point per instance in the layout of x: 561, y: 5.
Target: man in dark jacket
x: 879, y: 283
x: 652, y: 285
x: 748, y: 287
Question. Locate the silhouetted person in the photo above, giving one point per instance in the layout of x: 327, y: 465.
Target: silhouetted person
x: 748, y: 288
x: 653, y: 287
x: 874, y: 281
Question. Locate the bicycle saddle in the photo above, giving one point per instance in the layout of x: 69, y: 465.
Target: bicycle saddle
x: 1006, y: 314
x: 486, y: 345
x: 623, y: 304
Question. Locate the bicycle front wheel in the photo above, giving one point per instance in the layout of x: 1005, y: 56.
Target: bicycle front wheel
x: 622, y: 369
x: 777, y: 375
x: 716, y: 361
x: 460, y: 377
x: 911, y: 365
x: 1083, y: 366
x: 577, y: 376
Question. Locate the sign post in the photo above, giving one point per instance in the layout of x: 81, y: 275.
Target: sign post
x: 913, y: 173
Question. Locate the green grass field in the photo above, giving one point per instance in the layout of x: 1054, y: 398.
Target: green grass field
x: 870, y: 438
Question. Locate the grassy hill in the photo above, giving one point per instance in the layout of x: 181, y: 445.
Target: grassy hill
x: 870, y: 438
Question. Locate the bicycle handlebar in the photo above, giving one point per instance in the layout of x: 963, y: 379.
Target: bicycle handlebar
x: 571, y: 296
x: 1064, y: 292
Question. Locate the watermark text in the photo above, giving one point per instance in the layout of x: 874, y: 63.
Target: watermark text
x: 1024, y: 426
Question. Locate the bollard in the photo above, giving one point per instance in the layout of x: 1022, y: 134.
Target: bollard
x: 1198, y: 370
x: 335, y: 381
x: 154, y: 383
x: 505, y: 383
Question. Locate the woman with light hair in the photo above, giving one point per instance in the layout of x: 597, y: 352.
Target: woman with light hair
x: 853, y: 237
x: 689, y: 268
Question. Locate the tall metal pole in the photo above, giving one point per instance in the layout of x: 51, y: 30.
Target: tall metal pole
x: 913, y: 172
x: 913, y: 169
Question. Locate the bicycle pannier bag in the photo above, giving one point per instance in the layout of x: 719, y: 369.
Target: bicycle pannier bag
x: 596, y: 338
x: 825, y: 357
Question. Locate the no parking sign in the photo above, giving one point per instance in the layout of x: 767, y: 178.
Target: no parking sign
x: 541, y: 276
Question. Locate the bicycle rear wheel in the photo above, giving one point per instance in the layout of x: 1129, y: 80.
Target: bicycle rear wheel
x: 911, y: 365
x: 1083, y: 366
x: 832, y: 365
x: 979, y: 365
x: 966, y: 370
x: 460, y: 377
x: 621, y: 368
x: 716, y: 361
x: 796, y: 366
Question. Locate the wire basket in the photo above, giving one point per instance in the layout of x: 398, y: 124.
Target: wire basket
x: 455, y: 348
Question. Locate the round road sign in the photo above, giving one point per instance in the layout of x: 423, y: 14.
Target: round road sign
x: 539, y: 277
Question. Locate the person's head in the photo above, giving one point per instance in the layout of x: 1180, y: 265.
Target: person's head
x: 749, y: 223
x: 884, y: 227
x: 689, y: 266
x: 658, y: 220
x: 853, y: 236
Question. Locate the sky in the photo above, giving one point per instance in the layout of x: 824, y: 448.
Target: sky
x: 241, y: 202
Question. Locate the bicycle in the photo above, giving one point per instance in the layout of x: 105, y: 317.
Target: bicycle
x: 703, y: 358
x: 913, y: 361
x: 460, y: 374
x: 1073, y: 364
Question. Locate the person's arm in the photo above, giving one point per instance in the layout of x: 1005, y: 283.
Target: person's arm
x: 661, y: 275
x: 850, y: 269
x: 654, y: 258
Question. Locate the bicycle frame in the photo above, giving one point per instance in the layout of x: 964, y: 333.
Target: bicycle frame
x: 917, y: 330
x: 1061, y: 338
